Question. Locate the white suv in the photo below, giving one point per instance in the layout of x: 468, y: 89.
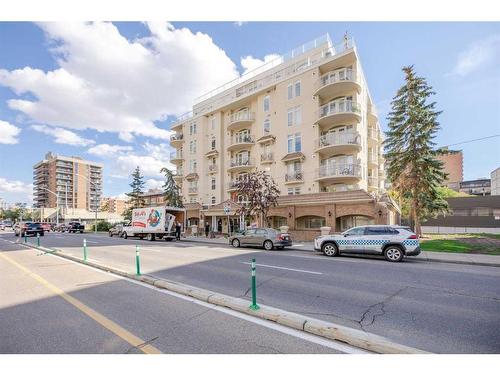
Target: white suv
x: 394, y: 242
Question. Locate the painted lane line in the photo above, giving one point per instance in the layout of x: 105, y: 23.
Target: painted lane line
x: 284, y: 268
x: 91, y: 313
x: 264, y: 323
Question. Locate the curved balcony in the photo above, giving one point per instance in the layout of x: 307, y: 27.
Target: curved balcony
x: 372, y: 183
x: 372, y: 135
x: 240, y: 120
x: 237, y: 164
x: 373, y: 160
x: 372, y: 114
x: 240, y: 142
x: 176, y: 157
x: 336, y: 83
x: 338, y: 112
x: 176, y: 140
x: 346, y: 173
x: 178, y: 175
x: 294, y: 177
x: 338, y: 143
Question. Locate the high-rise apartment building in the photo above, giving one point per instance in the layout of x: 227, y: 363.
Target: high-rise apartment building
x: 308, y: 120
x: 453, y: 162
x: 77, y: 183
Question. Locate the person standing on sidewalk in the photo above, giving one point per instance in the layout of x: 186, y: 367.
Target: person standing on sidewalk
x: 207, y: 229
x: 177, y: 230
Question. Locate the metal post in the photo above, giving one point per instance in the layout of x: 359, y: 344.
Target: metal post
x: 137, y: 262
x: 25, y: 237
x: 254, y: 305
x: 38, y: 239
x: 84, y: 250
x: 95, y: 222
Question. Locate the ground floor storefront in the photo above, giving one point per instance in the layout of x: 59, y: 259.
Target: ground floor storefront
x: 303, y: 216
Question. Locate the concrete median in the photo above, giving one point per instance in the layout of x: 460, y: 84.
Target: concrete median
x: 332, y: 331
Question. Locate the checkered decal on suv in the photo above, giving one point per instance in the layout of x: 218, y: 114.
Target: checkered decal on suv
x: 410, y: 242
x: 362, y: 242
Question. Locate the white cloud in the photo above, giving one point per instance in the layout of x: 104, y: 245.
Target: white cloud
x: 152, y: 183
x: 239, y: 23
x: 122, y: 160
x: 109, y: 83
x: 477, y: 55
x: 250, y: 63
x: 63, y: 136
x: 14, y: 190
x: 8, y: 133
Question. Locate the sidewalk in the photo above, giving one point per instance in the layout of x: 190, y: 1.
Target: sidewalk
x: 425, y: 256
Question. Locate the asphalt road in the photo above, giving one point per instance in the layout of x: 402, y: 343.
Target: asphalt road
x: 439, y: 307
x: 51, y: 305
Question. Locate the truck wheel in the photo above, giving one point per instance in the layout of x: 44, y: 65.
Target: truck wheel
x: 125, y: 236
x: 150, y: 237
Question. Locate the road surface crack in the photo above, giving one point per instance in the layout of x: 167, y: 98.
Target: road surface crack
x: 141, y: 345
x: 262, y: 283
x: 376, y: 310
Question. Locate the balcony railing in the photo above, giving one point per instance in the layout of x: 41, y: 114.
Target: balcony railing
x: 373, y: 181
x: 212, y: 168
x: 373, y: 158
x: 193, y: 189
x: 340, y: 106
x: 267, y: 157
x: 177, y: 137
x: 338, y: 139
x: 241, y: 138
x: 231, y: 185
x: 236, y: 162
x: 372, y: 133
x: 294, y: 176
x: 176, y: 155
x: 343, y: 75
x: 343, y: 170
x: 242, y: 116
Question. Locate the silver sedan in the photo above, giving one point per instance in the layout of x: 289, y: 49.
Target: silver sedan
x: 262, y: 237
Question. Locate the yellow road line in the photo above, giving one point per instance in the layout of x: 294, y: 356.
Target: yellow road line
x: 99, y: 318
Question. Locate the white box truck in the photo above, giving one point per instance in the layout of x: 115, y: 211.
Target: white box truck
x: 154, y: 222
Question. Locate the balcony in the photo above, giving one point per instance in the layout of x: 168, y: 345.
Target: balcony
x: 240, y: 141
x: 294, y: 177
x: 338, y: 112
x: 373, y: 160
x: 232, y: 185
x: 192, y: 190
x: 176, y: 140
x: 336, y: 83
x: 266, y: 158
x: 372, y: 114
x: 213, y: 152
x: 176, y: 157
x: 212, y: 168
x: 372, y: 135
x: 338, y: 143
x: 177, y: 175
x: 241, y: 164
x: 346, y: 173
x: 372, y: 183
x: 240, y: 120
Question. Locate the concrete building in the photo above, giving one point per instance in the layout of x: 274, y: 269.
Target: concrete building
x: 114, y: 205
x: 308, y: 120
x: 76, y: 182
x: 480, y: 186
x: 495, y: 182
x: 454, y: 167
x: 154, y: 197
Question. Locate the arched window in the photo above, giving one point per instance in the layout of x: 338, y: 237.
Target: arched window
x: 267, y: 125
x: 310, y: 222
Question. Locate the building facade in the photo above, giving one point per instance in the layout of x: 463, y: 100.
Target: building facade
x: 480, y: 186
x: 453, y: 162
x: 308, y: 120
x: 114, y: 205
x: 495, y: 182
x: 74, y: 182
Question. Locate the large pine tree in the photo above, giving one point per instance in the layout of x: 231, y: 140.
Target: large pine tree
x: 170, y: 189
x: 137, y: 185
x: 415, y: 172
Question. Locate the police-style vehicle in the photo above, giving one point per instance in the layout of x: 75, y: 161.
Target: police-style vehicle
x: 393, y: 242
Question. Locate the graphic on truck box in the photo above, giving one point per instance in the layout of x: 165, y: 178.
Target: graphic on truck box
x: 154, y: 218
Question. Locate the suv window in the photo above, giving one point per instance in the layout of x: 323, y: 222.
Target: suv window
x: 378, y: 231
x: 355, y: 231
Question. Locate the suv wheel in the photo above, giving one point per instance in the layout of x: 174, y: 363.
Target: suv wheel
x: 393, y: 254
x: 330, y: 249
x: 268, y: 245
x: 235, y: 243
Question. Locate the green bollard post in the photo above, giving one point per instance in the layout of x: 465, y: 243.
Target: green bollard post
x: 38, y: 240
x: 254, y: 305
x: 25, y: 238
x: 84, y: 250
x: 137, y: 261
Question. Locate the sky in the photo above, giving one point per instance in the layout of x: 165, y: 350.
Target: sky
x: 108, y: 92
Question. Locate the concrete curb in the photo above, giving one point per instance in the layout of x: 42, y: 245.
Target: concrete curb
x: 332, y: 331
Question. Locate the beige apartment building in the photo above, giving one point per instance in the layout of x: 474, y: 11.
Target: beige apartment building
x: 77, y: 183
x: 308, y: 120
x: 453, y: 166
x: 114, y: 205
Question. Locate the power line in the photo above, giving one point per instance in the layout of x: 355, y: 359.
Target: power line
x: 472, y: 140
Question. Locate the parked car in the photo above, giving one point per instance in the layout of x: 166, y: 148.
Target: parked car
x: 28, y: 228
x: 7, y: 223
x: 47, y: 227
x: 116, y: 230
x: 75, y: 226
x: 393, y: 242
x: 59, y: 227
x: 2, y: 226
x: 267, y: 238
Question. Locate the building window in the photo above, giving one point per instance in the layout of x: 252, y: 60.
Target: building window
x: 192, y: 147
x: 298, y: 142
x: 310, y: 222
x: 213, y: 143
x: 267, y: 125
x: 213, y: 200
x: 192, y: 200
x: 192, y: 166
x: 213, y: 183
x: 290, y: 91
x: 293, y: 90
x: 192, y: 128
x: 294, y: 116
x: 294, y: 143
x: 212, y: 122
x: 267, y: 103
x: 294, y: 191
x: 297, y: 88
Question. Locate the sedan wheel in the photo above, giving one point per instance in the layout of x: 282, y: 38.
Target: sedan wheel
x: 330, y: 250
x: 393, y: 254
x: 268, y: 245
x: 235, y: 243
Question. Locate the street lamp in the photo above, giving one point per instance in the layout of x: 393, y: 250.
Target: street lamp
x: 57, y: 203
x: 93, y: 183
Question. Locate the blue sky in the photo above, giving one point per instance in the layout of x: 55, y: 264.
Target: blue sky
x: 108, y: 92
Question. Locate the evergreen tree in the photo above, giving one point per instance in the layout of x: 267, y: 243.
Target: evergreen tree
x: 415, y: 172
x: 170, y: 189
x: 136, y: 195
